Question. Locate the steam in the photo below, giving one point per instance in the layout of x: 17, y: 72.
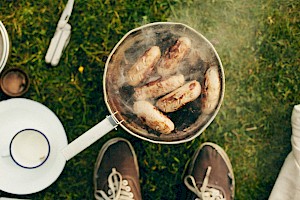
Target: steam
x: 229, y: 25
x: 193, y: 66
x: 159, y: 36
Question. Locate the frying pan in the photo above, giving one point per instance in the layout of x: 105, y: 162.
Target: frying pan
x: 189, y: 121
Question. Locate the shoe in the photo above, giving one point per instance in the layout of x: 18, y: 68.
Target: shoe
x: 210, y: 175
x: 116, y: 174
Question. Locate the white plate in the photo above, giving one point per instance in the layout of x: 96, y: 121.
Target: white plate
x: 18, y: 114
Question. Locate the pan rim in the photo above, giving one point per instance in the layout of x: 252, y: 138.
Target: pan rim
x: 211, y: 118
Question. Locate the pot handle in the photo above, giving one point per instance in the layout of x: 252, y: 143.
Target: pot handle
x: 89, y: 137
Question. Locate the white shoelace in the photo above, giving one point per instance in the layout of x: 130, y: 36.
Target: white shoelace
x: 118, y: 188
x: 205, y: 193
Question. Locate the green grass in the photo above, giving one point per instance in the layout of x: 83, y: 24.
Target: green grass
x: 259, y: 45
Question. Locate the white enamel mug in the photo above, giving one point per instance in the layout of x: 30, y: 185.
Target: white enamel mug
x: 29, y: 148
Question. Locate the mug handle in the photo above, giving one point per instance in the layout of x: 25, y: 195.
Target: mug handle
x: 89, y: 137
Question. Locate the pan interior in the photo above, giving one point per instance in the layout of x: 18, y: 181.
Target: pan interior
x: 189, y: 121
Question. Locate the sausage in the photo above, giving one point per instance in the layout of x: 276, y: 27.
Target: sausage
x: 179, y: 97
x: 158, y: 88
x: 143, y: 66
x: 210, y: 90
x: 152, y: 117
x: 173, y: 56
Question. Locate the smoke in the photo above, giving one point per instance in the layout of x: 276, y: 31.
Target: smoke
x: 229, y: 25
x: 137, y: 43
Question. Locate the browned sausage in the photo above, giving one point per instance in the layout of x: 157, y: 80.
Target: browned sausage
x: 178, y: 98
x: 143, y: 66
x: 173, y: 56
x: 210, y: 90
x: 159, y: 87
x: 152, y: 117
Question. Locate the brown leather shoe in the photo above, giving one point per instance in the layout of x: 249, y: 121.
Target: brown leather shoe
x: 116, y: 174
x: 210, y: 174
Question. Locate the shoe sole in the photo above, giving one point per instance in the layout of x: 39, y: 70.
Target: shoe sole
x: 223, y: 154
x: 103, y: 150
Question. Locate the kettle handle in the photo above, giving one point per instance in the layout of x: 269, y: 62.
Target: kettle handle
x: 89, y: 137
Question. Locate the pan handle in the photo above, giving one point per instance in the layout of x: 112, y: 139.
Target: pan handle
x: 89, y: 137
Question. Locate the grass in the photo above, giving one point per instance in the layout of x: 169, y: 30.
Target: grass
x: 258, y: 42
